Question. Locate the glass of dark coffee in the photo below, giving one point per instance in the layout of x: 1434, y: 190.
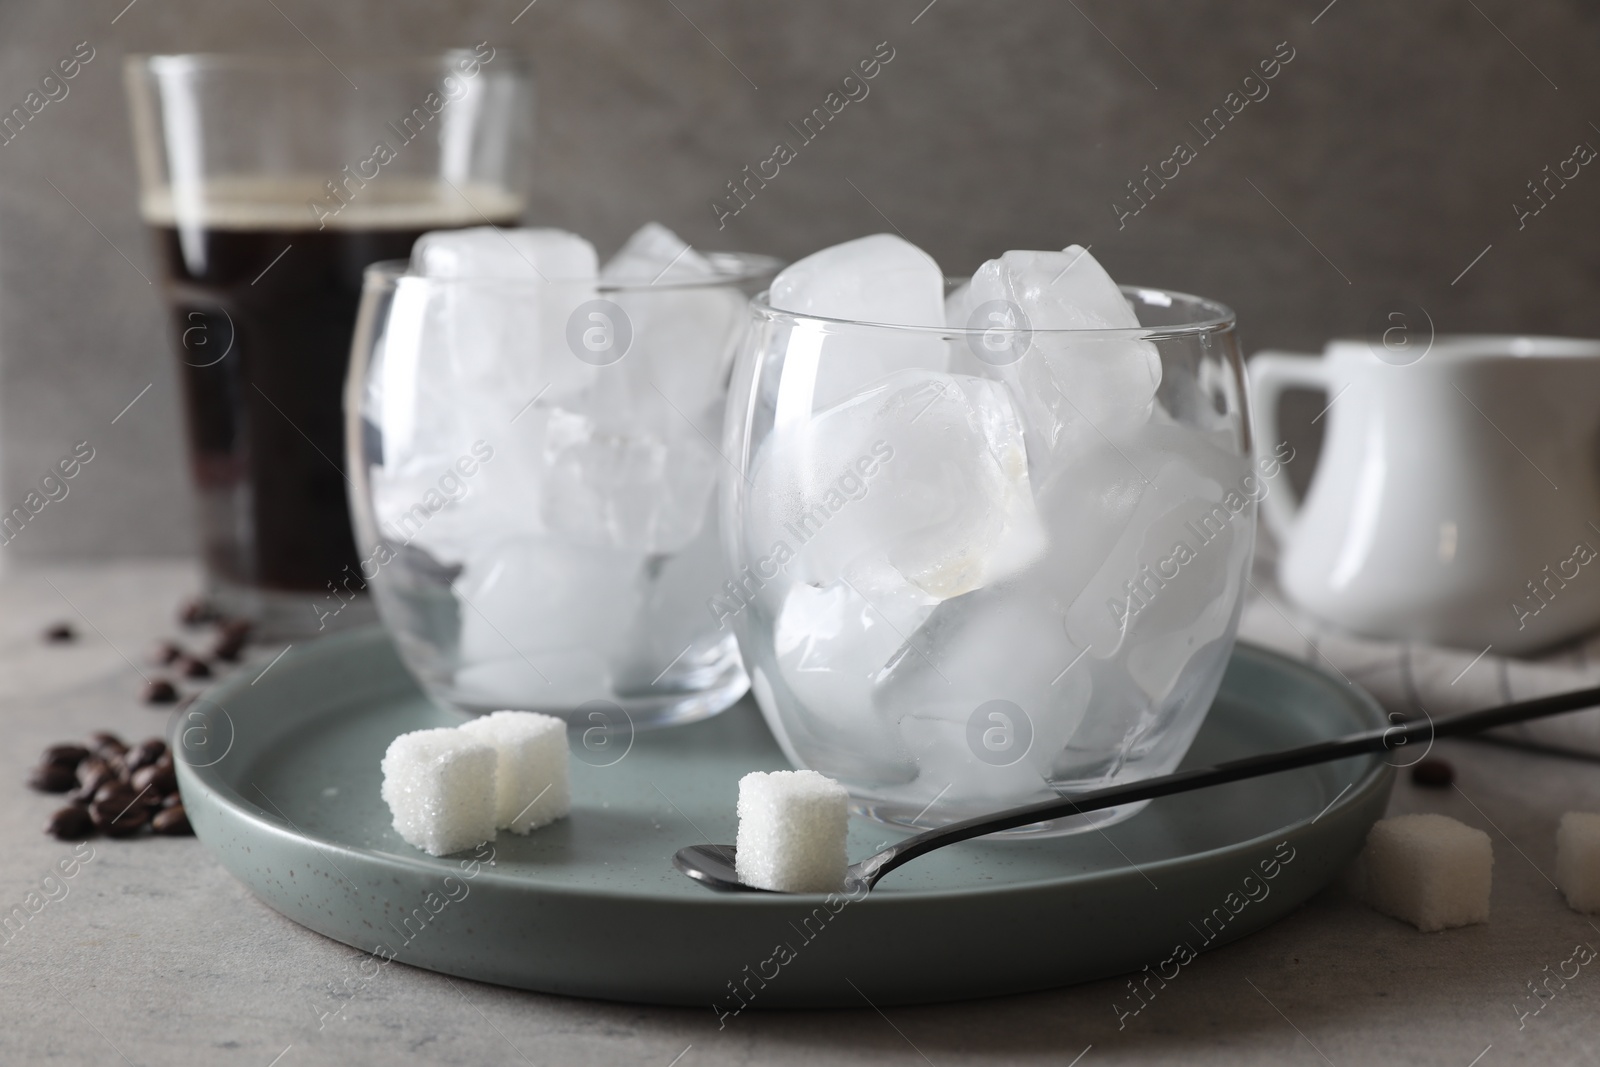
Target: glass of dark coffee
x: 270, y: 183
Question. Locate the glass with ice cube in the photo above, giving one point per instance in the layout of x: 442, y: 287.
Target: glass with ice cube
x: 533, y: 442
x: 987, y: 538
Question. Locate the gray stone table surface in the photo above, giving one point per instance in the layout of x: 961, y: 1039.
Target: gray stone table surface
x: 155, y: 955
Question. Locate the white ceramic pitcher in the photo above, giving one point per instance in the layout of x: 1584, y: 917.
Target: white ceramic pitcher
x: 1457, y: 499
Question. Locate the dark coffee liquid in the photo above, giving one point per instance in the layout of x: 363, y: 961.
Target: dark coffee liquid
x: 262, y: 321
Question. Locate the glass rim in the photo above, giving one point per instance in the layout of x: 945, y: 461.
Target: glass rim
x: 269, y: 60
x: 1218, y: 317
x: 741, y: 267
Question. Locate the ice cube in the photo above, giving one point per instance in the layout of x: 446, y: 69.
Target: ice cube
x: 1074, y: 388
x: 684, y: 340
x: 1066, y: 290
x: 831, y: 644
x: 958, y: 306
x: 876, y: 279
x: 1165, y: 527
x: 540, y: 620
x: 986, y: 694
x: 494, y: 252
x: 472, y: 339
x: 655, y: 255
x: 685, y: 326
x: 637, y: 488
x: 921, y: 479
x: 671, y: 643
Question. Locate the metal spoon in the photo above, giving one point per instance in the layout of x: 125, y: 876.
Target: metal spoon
x: 715, y: 865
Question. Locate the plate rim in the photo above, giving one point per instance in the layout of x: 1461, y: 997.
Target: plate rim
x: 216, y: 791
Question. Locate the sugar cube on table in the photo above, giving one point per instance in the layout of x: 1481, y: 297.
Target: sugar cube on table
x: 531, y: 781
x: 792, y: 827
x: 1578, y: 860
x: 440, y: 788
x: 1427, y: 870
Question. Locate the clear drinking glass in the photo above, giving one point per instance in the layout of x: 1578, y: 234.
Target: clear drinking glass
x: 972, y: 569
x: 535, y: 463
x: 270, y: 183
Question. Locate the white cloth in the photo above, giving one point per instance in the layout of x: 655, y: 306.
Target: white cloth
x: 1414, y: 679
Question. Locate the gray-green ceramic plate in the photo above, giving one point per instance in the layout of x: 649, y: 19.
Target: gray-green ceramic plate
x: 280, y: 778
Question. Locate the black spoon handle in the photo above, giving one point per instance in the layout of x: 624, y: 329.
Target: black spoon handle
x: 1375, y: 740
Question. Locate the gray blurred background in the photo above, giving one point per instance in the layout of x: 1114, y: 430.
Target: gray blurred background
x: 1385, y: 159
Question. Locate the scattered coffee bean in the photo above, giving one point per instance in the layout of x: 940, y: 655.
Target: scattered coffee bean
x: 160, y: 781
x: 117, y: 793
x: 70, y: 824
x: 102, y: 739
x: 60, y: 634
x: 160, y: 691
x: 1433, y: 773
x: 238, y: 628
x: 52, y: 778
x: 235, y: 634
x: 192, y: 667
x: 118, y: 820
x: 166, y: 653
x: 67, y: 755
x: 145, y: 753
x: 198, y: 612
x: 93, y: 773
x: 172, y: 821
x: 120, y: 790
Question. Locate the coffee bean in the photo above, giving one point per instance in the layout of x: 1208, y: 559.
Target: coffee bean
x: 160, y: 781
x: 101, y: 740
x: 173, y: 822
x: 70, y: 824
x: 60, y: 634
x: 191, y: 667
x: 166, y: 653
x: 93, y: 773
x: 118, y: 793
x: 145, y: 753
x: 230, y: 643
x: 1433, y: 773
x: 236, y: 628
x: 197, y: 612
x: 52, y: 778
x: 67, y: 755
x: 172, y: 799
x: 118, y: 820
x: 160, y: 691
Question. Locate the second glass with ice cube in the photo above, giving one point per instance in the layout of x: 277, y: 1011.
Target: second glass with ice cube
x: 987, y: 538
x: 534, y: 446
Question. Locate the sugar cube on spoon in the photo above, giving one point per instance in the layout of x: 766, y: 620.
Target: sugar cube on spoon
x: 792, y: 827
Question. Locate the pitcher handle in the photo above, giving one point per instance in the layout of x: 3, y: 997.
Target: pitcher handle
x: 1270, y: 374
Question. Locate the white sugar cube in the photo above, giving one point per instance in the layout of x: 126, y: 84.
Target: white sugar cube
x: 1427, y: 870
x: 1578, y: 860
x: 531, y: 787
x: 792, y: 826
x: 439, y: 785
